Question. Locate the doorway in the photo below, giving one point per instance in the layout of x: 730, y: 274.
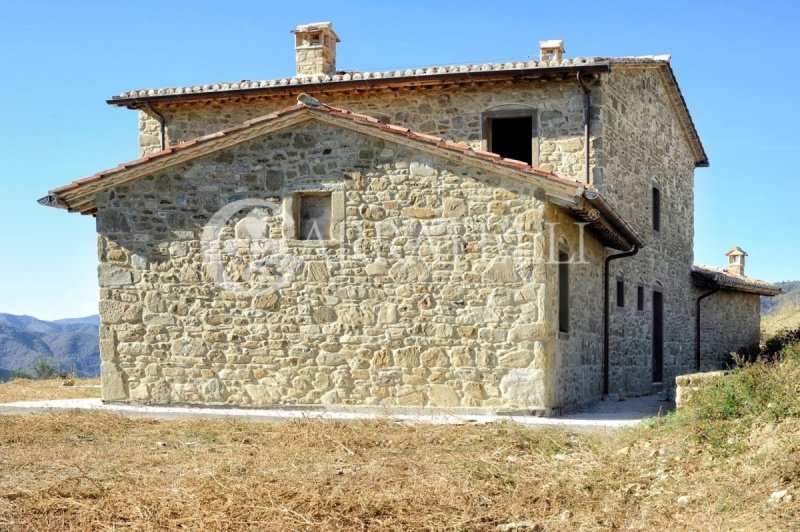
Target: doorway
x: 658, y: 337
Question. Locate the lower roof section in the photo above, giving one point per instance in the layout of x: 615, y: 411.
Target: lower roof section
x: 710, y: 277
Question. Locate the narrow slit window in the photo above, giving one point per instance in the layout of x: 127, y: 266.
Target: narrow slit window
x: 563, y: 292
x: 620, y: 293
x: 314, y: 217
x: 640, y: 298
x: 656, y: 209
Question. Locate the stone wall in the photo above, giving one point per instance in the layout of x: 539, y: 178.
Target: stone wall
x: 636, y: 142
x: 729, y: 322
x: 454, y: 113
x: 641, y: 144
x: 577, y: 367
x: 686, y: 386
x: 433, y: 295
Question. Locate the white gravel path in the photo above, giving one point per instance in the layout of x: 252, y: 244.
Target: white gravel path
x: 609, y: 414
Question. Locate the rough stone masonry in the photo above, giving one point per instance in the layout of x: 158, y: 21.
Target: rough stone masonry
x: 429, y: 295
x: 432, y: 282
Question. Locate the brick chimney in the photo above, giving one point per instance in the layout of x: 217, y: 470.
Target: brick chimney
x: 315, y: 49
x: 736, y: 257
x: 552, y: 50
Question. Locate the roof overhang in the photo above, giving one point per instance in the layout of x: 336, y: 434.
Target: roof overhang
x: 602, y: 220
x: 712, y: 278
x: 326, y: 85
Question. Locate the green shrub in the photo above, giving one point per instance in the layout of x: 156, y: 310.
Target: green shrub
x: 778, y: 342
x: 790, y: 354
x: 761, y: 390
x: 724, y: 410
x: 44, y: 369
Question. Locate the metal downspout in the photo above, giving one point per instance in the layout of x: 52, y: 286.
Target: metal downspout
x: 162, y: 123
x: 606, y: 314
x: 697, y: 327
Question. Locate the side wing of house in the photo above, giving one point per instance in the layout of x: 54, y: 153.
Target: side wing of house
x: 728, y: 314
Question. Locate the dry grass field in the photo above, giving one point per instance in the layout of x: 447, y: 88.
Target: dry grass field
x: 695, y: 470
x: 33, y: 390
x: 787, y: 317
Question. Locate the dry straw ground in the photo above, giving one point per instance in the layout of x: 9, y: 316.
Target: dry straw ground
x: 31, y: 390
x: 785, y: 318
x: 93, y: 471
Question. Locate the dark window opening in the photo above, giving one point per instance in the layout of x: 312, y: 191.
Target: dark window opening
x: 656, y: 209
x: 620, y: 293
x: 563, y: 292
x: 640, y: 298
x: 512, y: 138
x: 314, y: 212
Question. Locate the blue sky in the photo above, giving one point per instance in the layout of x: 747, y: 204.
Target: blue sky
x: 735, y: 62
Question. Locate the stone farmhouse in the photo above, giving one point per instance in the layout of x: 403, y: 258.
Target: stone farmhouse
x: 511, y: 237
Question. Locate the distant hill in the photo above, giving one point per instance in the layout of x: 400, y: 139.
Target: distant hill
x: 783, y: 311
x: 790, y: 297
x: 70, y: 343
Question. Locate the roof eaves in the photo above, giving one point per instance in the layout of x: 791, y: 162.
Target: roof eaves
x: 709, y: 277
x: 73, y: 193
x: 602, y: 220
x: 349, y: 80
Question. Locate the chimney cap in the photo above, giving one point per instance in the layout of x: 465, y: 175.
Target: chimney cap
x: 549, y: 44
x: 736, y: 251
x: 316, y: 26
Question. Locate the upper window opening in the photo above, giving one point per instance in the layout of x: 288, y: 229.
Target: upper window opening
x: 640, y: 298
x: 620, y: 293
x: 314, y: 216
x: 511, y: 133
x: 656, y: 209
x: 511, y: 138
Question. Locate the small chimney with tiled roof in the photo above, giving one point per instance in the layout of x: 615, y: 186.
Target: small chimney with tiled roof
x: 315, y: 49
x: 736, y: 257
x: 552, y: 50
